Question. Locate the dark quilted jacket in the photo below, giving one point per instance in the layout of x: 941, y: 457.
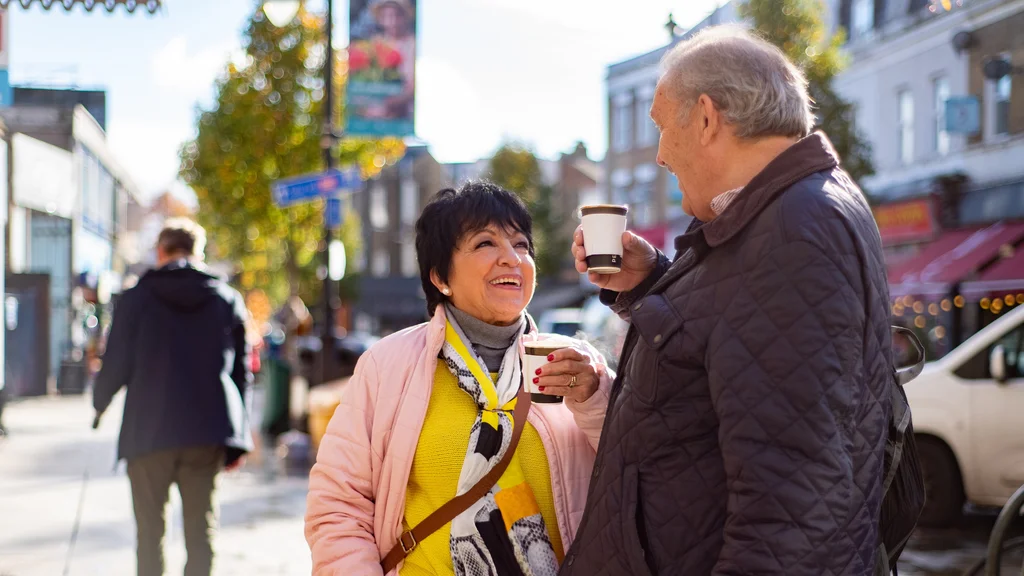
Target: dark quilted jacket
x: 746, y: 430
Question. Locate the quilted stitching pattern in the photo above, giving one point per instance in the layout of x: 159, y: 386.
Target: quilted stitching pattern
x: 757, y: 426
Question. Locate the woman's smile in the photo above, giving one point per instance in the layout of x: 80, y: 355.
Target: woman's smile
x: 508, y: 283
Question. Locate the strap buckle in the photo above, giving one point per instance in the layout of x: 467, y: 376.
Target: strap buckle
x: 410, y: 547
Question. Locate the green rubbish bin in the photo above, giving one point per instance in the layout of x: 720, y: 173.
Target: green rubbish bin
x: 278, y: 396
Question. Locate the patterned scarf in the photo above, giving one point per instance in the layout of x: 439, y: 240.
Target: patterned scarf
x: 503, y: 533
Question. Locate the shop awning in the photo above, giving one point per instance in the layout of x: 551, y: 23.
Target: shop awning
x: 951, y: 258
x: 656, y: 235
x: 1006, y: 275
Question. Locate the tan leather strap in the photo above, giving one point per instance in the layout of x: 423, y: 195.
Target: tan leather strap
x: 446, y: 513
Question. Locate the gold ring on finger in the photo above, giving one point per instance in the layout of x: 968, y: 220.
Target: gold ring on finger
x: 572, y: 381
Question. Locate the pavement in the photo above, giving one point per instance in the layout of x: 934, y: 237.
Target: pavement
x: 57, y: 474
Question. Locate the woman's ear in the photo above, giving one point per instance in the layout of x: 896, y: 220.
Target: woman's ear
x: 435, y: 279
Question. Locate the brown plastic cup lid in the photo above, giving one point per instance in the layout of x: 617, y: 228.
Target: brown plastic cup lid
x: 604, y: 209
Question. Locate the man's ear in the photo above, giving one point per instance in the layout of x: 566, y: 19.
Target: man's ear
x: 710, y: 119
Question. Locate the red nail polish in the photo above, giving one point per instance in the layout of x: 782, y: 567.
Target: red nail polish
x: 538, y: 371
x: 536, y: 380
x: 541, y: 388
x: 551, y: 357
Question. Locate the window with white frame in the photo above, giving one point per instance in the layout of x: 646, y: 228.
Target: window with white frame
x: 1002, y: 103
x: 622, y: 122
x: 410, y: 200
x: 863, y: 17
x: 381, y: 262
x: 378, y: 207
x: 940, y: 88
x: 906, y: 126
x: 646, y: 131
x: 410, y: 267
x: 621, y: 180
x: 640, y: 206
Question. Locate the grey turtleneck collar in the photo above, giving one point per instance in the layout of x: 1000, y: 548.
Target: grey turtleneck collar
x: 489, y: 341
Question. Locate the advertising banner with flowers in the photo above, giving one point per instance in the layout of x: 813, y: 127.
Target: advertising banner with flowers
x: 381, y: 68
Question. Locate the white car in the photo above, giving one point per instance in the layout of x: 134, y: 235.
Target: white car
x: 564, y: 321
x: 968, y: 414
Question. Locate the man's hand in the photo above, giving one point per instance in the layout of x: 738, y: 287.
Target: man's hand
x: 638, y: 260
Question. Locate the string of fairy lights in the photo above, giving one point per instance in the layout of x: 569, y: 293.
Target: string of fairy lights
x: 921, y: 310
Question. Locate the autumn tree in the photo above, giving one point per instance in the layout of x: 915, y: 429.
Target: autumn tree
x: 798, y: 28
x: 516, y: 168
x: 266, y: 124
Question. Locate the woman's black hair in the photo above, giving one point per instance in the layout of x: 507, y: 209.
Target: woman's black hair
x: 450, y: 215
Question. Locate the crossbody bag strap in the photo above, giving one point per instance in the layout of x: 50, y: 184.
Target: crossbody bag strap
x: 446, y: 513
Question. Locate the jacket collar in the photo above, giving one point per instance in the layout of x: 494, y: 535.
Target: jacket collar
x: 808, y: 156
x: 437, y: 323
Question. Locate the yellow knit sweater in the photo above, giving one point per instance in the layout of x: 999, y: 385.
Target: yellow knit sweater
x: 437, y: 464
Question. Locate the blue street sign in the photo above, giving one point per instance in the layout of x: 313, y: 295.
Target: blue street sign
x: 6, y: 93
x: 311, y: 186
x: 963, y: 115
x: 333, y: 214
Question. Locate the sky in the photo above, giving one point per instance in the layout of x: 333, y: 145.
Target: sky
x: 488, y: 71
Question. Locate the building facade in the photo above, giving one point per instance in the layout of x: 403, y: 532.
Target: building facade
x: 390, y: 294
x: 947, y: 146
x: 948, y: 150
x: 68, y: 205
x: 633, y: 176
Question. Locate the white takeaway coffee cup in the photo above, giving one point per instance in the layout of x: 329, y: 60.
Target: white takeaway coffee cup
x: 603, y: 226
x: 536, y: 356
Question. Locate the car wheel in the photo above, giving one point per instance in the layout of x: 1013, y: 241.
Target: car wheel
x: 944, y: 489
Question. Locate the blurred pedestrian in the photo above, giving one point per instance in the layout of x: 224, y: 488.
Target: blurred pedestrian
x: 748, y: 431
x: 428, y: 415
x: 178, y: 345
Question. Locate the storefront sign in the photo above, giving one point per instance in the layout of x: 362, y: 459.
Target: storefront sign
x: 910, y: 221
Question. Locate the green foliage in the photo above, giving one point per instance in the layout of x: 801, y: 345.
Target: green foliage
x: 515, y: 167
x: 797, y: 27
x: 266, y: 124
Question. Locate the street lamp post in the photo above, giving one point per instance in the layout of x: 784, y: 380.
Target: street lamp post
x: 280, y: 13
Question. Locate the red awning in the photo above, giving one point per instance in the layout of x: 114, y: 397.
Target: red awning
x: 952, y: 257
x: 1006, y: 275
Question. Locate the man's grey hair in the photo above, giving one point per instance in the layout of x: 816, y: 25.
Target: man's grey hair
x: 184, y: 237
x: 758, y: 90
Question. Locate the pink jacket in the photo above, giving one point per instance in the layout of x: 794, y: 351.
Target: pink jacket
x: 357, y: 487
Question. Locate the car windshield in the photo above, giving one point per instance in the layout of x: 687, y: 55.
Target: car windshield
x: 565, y: 328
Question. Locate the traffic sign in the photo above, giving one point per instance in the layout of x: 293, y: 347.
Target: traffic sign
x: 333, y: 214
x: 963, y: 115
x: 311, y: 186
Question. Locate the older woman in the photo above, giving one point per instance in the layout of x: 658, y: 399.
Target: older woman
x: 428, y: 413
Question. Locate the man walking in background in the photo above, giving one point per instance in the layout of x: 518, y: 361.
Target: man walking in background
x: 177, y: 344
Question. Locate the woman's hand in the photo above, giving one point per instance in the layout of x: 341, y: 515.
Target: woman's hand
x: 570, y: 373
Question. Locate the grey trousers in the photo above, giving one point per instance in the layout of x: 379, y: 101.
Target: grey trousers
x: 195, y: 471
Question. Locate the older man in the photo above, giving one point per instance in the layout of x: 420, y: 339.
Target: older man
x: 747, y: 429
